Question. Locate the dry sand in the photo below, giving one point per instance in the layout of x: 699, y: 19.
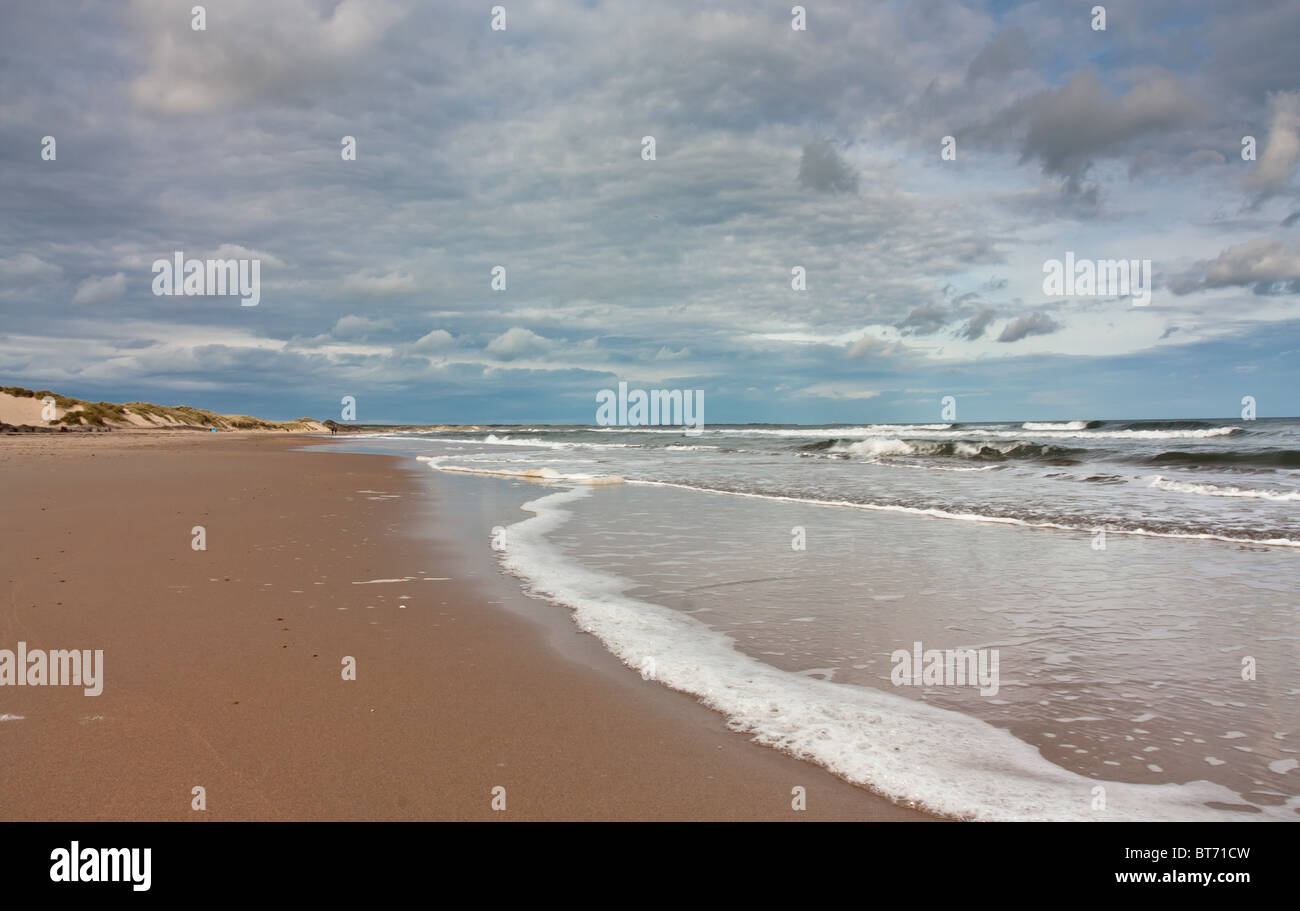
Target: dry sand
x: 222, y: 667
x: 16, y: 410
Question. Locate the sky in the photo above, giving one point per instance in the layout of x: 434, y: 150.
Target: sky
x: 775, y: 149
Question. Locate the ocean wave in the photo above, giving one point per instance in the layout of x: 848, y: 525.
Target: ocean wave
x: 935, y: 512
x: 875, y: 448
x: 1185, y: 434
x: 1167, y: 425
x: 1089, y: 431
x: 898, y: 746
x: 958, y: 449
x: 971, y: 433
x: 1069, y: 425
x: 1259, y: 458
x: 1215, y: 490
x: 866, y: 430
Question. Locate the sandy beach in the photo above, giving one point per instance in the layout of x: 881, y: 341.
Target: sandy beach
x: 222, y: 667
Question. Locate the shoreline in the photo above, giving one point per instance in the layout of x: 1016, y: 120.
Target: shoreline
x: 234, y: 685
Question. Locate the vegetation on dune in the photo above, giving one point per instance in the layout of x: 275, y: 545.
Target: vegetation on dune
x: 94, y: 413
x: 101, y: 414
x: 19, y: 392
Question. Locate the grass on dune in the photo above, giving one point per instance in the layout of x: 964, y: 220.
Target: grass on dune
x: 101, y: 414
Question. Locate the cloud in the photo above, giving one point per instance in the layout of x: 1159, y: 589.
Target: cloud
x: 866, y: 346
x: 250, y: 51
x: 368, y: 284
x: 1263, y: 262
x: 977, y: 324
x: 666, y: 354
x: 822, y: 168
x: 517, y: 342
x: 1025, y: 326
x: 838, y: 391
x: 437, y: 340
x: 1281, y: 151
x: 925, y: 319
x: 1071, y: 126
x: 1006, y: 53
x: 358, y: 327
x: 609, y: 254
x: 1201, y: 158
x: 23, y: 268
x: 98, y: 290
x: 237, y: 251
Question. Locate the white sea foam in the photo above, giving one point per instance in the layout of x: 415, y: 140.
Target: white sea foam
x: 497, y: 458
x: 493, y: 440
x: 530, y: 474
x: 405, y: 579
x: 876, y: 448
x: 944, y: 761
x: 1070, y: 425
x: 940, y: 467
x: 1215, y: 490
x: 873, y: 449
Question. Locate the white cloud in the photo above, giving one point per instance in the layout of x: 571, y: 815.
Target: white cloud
x: 868, y: 345
x: 1264, y: 259
x: 236, y: 251
x: 367, y: 284
x: 437, y: 340
x: 1281, y: 151
x: 250, y: 51
x: 358, y: 327
x: 98, y: 290
x: 22, y: 268
x: 517, y: 342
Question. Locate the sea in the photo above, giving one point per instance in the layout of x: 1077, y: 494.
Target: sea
x: 1134, y: 584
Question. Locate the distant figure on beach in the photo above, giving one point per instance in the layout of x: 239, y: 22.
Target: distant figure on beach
x: 334, y: 428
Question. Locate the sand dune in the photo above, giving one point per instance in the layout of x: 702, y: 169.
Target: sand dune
x: 21, y: 407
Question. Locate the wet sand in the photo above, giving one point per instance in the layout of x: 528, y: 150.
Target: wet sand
x: 222, y: 667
